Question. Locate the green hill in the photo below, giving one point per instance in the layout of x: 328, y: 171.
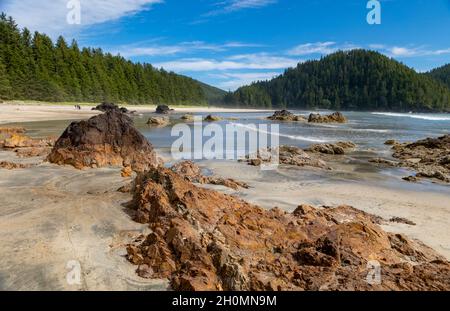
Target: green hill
x: 442, y: 74
x: 353, y: 80
x: 32, y: 67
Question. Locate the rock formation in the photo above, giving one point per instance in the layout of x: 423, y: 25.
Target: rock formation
x: 284, y: 115
x: 204, y: 240
x: 191, y: 172
x: 163, y: 109
x: 338, y: 148
x: 158, y: 122
x: 211, y: 118
x: 15, y: 139
x: 429, y: 157
x: 12, y: 166
x: 187, y: 117
x: 105, y: 107
x: 336, y: 117
x: 104, y: 140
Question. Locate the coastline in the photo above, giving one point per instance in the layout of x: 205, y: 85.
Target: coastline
x: 15, y: 112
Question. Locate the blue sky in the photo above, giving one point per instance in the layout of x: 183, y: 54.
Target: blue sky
x: 229, y: 43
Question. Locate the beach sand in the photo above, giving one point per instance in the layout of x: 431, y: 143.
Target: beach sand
x: 30, y: 112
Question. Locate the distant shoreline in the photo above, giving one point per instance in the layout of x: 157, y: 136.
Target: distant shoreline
x: 17, y: 111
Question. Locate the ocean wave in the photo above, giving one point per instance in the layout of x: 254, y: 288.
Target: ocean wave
x: 413, y: 116
x: 293, y: 137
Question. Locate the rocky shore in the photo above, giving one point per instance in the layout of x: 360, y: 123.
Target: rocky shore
x: 284, y: 115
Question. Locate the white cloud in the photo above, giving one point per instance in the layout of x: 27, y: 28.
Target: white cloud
x: 408, y: 51
x: 236, y: 80
x: 50, y: 16
x: 229, y: 6
x: 244, y: 61
x: 322, y: 48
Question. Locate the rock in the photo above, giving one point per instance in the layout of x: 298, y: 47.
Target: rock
x: 12, y: 166
x: 205, y: 240
x: 187, y: 118
x: 191, y: 172
x: 105, y: 107
x: 109, y: 139
x: 411, y: 179
x: 333, y: 149
x: 163, y: 109
x: 8, y: 131
x: 336, y: 117
x: 157, y: 121
x: 391, y: 142
x: 211, y: 118
x: 384, y: 162
x: 127, y: 172
x: 31, y: 152
x: 429, y: 157
x: 401, y: 220
x: 284, y: 115
x: 23, y: 141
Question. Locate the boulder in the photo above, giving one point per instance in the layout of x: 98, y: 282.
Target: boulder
x: 338, y: 148
x: 284, y: 115
x: 105, y: 107
x: 158, y: 121
x: 109, y: 139
x: 187, y: 118
x: 205, y: 240
x: 335, y: 117
x: 163, y: 109
x: 211, y: 118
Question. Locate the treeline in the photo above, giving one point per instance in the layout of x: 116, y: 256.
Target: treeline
x: 353, y: 80
x: 32, y: 67
x: 442, y: 74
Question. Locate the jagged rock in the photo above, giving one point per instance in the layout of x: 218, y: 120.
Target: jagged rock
x: 284, y: 115
x: 211, y: 118
x: 192, y: 172
x: 187, y: 118
x: 401, y: 220
x: 205, y: 240
x: 385, y: 162
x: 32, y: 152
x: 157, y: 121
x: 429, y: 157
x: 411, y: 179
x: 12, y: 166
x: 8, y: 131
x: 105, y: 107
x: 23, y: 141
x: 109, y: 139
x: 336, y: 117
x: 338, y: 148
x: 391, y: 142
x: 126, y: 172
x: 163, y: 109
x: 287, y: 155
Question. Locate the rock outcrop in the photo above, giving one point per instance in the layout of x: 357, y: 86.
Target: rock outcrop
x: 109, y: 139
x: 338, y: 148
x: 336, y: 117
x: 164, y: 109
x: 105, y: 107
x: 158, y: 122
x: 287, y: 155
x: 15, y: 139
x: 187, y: 117
x: 204, y: 240
x: 429, y: 157
x: 13, y: 166
x: 192, y: 172
x: 284, y: 115
x: 211, y: 118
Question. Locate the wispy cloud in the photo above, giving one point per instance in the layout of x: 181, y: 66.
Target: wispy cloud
x: 229, y: 6
x: 49, y: 16
x: 245, y: 61
x: 408, y: 51
x: 321, y: 48
x: 232, y: 81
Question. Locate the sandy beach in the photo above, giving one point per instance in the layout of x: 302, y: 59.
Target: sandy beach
x: 51, y: 215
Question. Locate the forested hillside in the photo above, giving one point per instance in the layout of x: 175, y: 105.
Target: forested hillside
x: 354, y: 80
x: 32, y: 67
x: 442, y: 74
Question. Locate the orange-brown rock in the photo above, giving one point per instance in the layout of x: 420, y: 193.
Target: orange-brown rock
x: 109, y: 139
x: 335, y: 117
x: 192, y: 172
x: 204, y: 240
x: 12, y: 166
x: 127, y: 172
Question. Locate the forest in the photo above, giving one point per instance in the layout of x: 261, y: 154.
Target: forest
x: 32, y: 67
x: 350, y: 80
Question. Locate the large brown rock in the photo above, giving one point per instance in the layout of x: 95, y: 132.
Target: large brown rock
x: 204, y: 240
x: 109, y: 139
x: 430, y: 157
x: 338, y: 148
x: 335, y: 117
x: 284, y: 115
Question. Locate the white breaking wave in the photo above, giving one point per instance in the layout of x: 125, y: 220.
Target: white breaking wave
x: 413, y: 116
x: 293, y: 137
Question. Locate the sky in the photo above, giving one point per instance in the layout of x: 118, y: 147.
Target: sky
x: 230, y: 43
